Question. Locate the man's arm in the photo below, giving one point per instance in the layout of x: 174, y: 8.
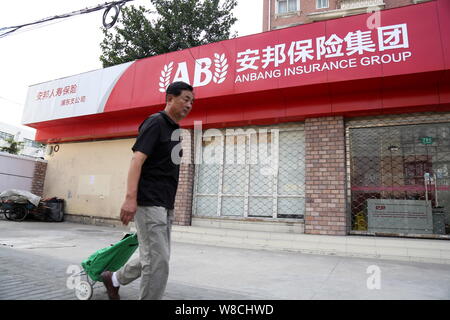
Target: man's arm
x: 129, y: 206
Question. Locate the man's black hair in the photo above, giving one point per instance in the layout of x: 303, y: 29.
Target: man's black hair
x: 177, y: 87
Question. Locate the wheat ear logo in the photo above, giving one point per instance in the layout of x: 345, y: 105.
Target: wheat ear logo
x: 220, y: 68
x: 164, y: 80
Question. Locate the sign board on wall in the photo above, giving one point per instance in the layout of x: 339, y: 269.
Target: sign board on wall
x: 325, y: 52
x: 399, y: 216
x: 74, y: 96
x: 406, y: 42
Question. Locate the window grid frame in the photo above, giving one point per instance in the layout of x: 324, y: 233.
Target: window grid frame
x: 277, y: 7
x: 325, y: 6
x: 275, y: 191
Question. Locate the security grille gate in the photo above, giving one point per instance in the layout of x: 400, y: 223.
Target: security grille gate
x: 250, y: 172
x: 399, y: 174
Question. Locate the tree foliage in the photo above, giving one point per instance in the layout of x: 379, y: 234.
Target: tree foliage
x: 14, y: 147
x: 179, y: 24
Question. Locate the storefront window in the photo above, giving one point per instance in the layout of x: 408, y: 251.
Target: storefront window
x: 260, y: 174
x: 399, y: 179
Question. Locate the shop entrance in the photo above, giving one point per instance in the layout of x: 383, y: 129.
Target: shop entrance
x: 399, y: 179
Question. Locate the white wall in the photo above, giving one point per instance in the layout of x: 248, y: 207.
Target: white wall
x: 16, y: 172
x: 90, y: 176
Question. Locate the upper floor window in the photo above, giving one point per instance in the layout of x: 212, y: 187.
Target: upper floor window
x: 31, y: 143
x: 5, y: 136
x: 322, y: 4
x: 286, y: 6
x: 28, y: 142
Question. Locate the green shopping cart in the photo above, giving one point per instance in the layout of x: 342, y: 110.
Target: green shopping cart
x: 111, y: 258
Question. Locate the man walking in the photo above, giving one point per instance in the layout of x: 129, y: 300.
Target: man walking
x: 151, y: 188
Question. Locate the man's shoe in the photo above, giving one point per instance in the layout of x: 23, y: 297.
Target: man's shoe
x: 113, y: 292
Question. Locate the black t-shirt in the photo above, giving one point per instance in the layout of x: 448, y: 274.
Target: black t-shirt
x: 159, y: 176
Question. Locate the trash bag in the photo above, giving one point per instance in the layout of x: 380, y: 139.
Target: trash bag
x: 53, y: 209
x: 110, y: 258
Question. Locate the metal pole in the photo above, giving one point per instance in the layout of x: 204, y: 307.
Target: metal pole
x: 435, y: 189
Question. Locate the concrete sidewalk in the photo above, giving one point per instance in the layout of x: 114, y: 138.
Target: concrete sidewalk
x: 35, y: 257
x: 266, y: 236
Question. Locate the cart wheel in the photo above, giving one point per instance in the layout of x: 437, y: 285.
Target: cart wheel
x: 83, y: 291
x: 18, y: 213
x: 8, y: 215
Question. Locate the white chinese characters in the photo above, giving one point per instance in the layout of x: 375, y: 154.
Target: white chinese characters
x: 247, y: 60
x: 354, y: 43
x: 393, y: 37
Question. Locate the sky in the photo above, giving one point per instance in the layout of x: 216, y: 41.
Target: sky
x: 65, y: 47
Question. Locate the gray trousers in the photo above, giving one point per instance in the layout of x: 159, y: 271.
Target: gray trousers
x: 153, y: 225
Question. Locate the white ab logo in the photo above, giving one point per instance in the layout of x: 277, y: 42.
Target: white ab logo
x: 374, y: 281
x: 202, y: 74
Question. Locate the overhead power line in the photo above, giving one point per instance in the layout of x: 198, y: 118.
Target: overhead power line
x: 116, y: 5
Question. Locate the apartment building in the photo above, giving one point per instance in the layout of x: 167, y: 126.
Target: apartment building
x: 287, y: 13
x: 25, y: 135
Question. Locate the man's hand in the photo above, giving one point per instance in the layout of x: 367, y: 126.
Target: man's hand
x: 129, y: 207
x: 128, y: 211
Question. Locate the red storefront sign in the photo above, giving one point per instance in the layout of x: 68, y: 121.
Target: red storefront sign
x: 333, y: 67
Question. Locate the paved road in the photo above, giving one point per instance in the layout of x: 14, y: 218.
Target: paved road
x: 35, y: 256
